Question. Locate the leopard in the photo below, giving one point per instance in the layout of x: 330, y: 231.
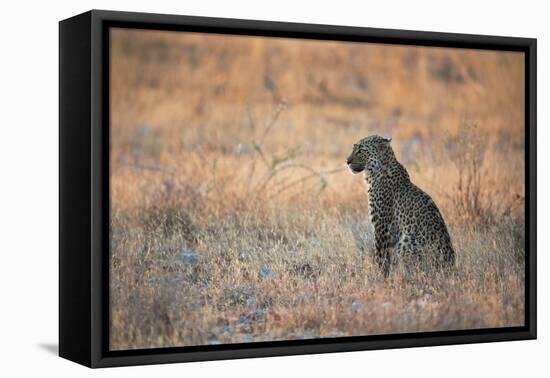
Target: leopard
x: 408, y: 226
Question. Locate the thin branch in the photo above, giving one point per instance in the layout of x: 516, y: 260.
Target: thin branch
x: 319, y: 175
x: 148, y: 167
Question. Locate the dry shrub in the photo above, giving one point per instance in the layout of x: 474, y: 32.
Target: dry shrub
x: 468, y: 157
x: 474, y: 200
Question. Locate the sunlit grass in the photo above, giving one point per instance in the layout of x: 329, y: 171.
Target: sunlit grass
x: 233, y: 212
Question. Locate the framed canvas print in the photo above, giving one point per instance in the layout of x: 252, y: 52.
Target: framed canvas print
x: 234, y: 188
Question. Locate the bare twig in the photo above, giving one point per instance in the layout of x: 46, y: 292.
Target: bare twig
x: 257, y: 146
x: 282, y: 106
x: 148, y: 168
x: 320, y: 175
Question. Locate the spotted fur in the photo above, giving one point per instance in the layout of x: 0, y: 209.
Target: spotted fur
x: 405, y: 219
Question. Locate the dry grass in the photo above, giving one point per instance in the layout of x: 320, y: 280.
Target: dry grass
x: 233, y: 218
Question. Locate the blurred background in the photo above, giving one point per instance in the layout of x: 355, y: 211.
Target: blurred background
x: 182, y: 101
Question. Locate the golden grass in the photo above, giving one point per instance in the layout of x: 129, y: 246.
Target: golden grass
x: 232, y: 212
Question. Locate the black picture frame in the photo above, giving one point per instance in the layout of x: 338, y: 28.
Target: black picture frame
x: 84, y: 187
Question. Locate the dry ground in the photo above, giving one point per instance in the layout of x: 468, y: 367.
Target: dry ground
x: 234, y: 219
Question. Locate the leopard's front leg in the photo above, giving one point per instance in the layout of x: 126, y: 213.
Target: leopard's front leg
x: 383, y: 243
x: 381, y: 216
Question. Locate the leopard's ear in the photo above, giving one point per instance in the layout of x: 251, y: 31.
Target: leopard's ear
x: 387, y: 139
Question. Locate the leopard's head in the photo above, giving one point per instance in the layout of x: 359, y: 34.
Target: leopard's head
x: 369, y: 154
